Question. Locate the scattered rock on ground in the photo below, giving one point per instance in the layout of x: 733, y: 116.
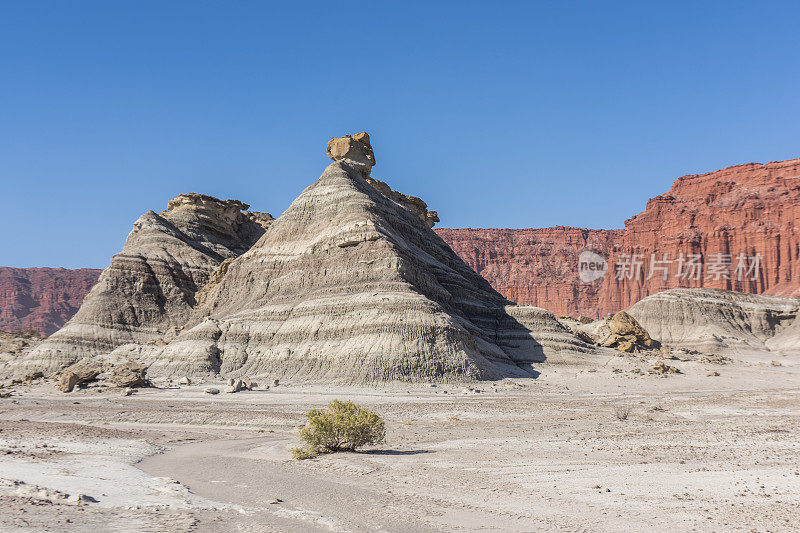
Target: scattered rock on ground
x: 663, y: 368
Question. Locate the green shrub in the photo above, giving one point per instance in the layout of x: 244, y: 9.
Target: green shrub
x: 343, y: 426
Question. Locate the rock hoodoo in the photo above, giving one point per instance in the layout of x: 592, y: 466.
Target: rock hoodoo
x: 350, y: 284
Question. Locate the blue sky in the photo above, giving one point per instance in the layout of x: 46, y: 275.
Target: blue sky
x: 498, y: 114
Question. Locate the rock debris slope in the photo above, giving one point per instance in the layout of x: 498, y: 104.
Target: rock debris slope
x: 716, y: 320
x: 148, y: 291
x: 350, y: 285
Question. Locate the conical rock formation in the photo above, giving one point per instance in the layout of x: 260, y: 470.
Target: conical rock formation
x: 350, y: 284
x: 147, y: 292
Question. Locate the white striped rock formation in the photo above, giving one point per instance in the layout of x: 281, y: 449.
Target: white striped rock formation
x: 147, y: 292
x: 350, y: 284
x: 715, y: 320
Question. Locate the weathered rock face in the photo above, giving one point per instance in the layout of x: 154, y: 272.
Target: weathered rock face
x: 535, y: 266
x: 349, y: 285
x: 747, y: 210
x: 412, y: 203
x: 42, y: 299
x: 147, y: 292
x: 714, y: 320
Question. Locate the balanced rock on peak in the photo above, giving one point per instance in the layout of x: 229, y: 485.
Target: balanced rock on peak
x: 355, y: 149
x: 350, y: 284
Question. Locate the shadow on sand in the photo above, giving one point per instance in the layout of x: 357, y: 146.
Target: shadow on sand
x: 393, y: 452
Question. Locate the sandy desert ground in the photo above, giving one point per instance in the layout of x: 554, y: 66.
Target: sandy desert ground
x: 697, y: 452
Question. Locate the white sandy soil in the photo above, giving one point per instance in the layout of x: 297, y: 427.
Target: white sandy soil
x: 696, y: 452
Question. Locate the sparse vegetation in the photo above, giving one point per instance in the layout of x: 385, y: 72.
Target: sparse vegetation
x: 342, y: 426
x: 622, y: 412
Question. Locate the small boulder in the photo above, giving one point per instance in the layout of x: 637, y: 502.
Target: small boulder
x: 68, y: 381
x: 185, y: 381
x: 129, y: 374
x: 356, y: 149
x: 78, y: 374
x: 211, y: 390
x: 33, y: 376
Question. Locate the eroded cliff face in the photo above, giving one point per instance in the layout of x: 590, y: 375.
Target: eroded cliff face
x: 42, y: 299
x: 535, y: 266
x: 745, y: 211
x: 733, y: 215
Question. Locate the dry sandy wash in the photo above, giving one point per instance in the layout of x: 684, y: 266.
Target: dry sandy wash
x: 697, y: 451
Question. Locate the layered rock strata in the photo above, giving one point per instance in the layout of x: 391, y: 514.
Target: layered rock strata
x: 739, y: 225
x: 351, y: 285
x: 714, y: 320
x: 148, y: 291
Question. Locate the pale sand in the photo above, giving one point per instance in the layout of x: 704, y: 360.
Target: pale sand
x: 695, y: 453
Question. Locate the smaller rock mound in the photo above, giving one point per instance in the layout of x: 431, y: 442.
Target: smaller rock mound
x: 715, y: 320
x: 620, y: 331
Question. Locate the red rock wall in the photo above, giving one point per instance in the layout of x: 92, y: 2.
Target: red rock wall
x: 534, y: 266
x: 746, y: 210
x: 42, y: 298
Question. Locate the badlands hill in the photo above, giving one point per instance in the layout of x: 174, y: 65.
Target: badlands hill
x: 149, y: 289
x: 350, y: 284
x: 720, y: 321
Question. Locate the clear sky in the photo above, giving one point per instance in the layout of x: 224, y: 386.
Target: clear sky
x: 498, y: 114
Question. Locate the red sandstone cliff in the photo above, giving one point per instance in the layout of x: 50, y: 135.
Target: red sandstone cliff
x: 731, y: 215
x: 42, y: 298
x: 535, y: 266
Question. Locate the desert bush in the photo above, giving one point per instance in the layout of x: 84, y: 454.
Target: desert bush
x: 342, y: 426
x: 622, y: 412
